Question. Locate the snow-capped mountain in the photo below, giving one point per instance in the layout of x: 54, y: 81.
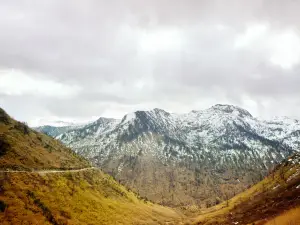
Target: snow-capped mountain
x: 55, y: 122
x: 53, y: 130
x: 57, y: 127
x: 182, y: 159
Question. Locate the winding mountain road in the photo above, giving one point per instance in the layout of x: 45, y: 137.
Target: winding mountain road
x: 48, y: 171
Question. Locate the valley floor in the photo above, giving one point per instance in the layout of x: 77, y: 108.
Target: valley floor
x: 88, y: 196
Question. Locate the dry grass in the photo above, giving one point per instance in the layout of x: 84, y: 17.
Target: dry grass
x: 270, y: 197
x: 88, y: 197
x: 85, y: 197
x: 24, y: 149
x: 291, y: 217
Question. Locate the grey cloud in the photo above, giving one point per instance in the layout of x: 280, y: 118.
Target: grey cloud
x: 95, y: 45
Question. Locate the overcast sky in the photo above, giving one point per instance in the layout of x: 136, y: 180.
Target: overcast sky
x: 81, y: 59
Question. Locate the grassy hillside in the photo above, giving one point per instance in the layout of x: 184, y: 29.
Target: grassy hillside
x: 22, y: 148
x: 87, y: 197
x: 291, y: 217
x: 277, y: 193
x: 60, y: 194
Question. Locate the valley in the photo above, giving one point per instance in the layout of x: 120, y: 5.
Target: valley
x: 44, y: 182
x: 133, y: 112
x: 199, y: 158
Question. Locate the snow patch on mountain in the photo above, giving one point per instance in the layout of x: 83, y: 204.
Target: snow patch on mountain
x: 220, y: 131
x: 219, y: 144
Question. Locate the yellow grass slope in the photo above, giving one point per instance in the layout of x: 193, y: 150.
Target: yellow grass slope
x: 87, y: 197
x: 277, y: 193
x: 22, y: 148
x: 291, y: 217
x: 68, y: 197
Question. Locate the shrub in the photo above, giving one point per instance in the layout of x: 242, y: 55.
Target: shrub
x: 4, y: 146
x: 4, y: 118
x: 218, y: 200
x: 65, y: 214
x: 3, y: 206
x: 22, y: 127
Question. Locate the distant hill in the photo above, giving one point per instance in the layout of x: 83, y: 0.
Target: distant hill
x: 41, y: 183
x: 53, y: 130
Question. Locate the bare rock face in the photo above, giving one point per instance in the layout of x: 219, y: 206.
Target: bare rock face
x: 194, y: 158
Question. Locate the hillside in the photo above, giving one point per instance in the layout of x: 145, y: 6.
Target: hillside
x: 199, y: 158
x: 41, y: 183
x: 22, y: 148
x: 88, y: 197
x: 275, y: 200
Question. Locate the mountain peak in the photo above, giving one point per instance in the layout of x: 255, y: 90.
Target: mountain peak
x: 224, y: 139
x: 154, y: 113
x: 160, y: 111
x: 128, y: 117
x: 231, y: 109
x: 104, y: 119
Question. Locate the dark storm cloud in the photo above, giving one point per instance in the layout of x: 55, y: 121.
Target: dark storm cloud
x: 111, y: 57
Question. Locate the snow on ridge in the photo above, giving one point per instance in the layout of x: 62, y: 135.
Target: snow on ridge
x: 53, y: 123
x: 211, y: 128
x: 283, y: 119
x: 128, y: 117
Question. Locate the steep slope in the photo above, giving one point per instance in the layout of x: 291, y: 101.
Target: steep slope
x: 194, y: 158
x: 41, y: 183
x: 87, y: 197
x: 263, y: 203
x: 24, y: 149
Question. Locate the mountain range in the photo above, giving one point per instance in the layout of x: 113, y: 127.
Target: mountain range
x: 44, y: 182
x: 200, y: 157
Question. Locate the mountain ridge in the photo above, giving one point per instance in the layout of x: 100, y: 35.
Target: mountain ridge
x: 213, y: 148
x: 38, y: 190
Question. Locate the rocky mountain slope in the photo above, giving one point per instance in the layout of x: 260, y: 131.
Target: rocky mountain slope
x: 194, y: 158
